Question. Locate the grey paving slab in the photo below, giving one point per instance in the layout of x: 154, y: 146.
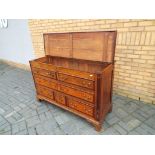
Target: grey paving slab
x: 22, y: 114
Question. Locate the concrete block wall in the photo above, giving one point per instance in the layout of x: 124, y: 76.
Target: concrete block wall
x: 135, y: 50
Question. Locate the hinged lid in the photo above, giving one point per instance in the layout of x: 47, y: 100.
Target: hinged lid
x: 96, y: 46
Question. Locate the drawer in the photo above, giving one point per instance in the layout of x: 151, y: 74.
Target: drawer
x: 44, y: 72
x: 60, y: 98
x: 40, y: 65
x: 77, y: 93
x: 77, y: 81
x: 41, y: 80
x: 80, y: 74
x: 80, y: 106
x: 45, y: 92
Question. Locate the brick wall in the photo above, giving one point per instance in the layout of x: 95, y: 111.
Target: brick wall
x: 135, y: 51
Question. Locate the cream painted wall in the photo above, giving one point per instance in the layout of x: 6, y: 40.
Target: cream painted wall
x: 15, y: 42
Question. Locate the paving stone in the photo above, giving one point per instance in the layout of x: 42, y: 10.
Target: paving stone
x: 42, y: 117
x: 17, y: 116
x: 2, y: 111
x: 5, y: 128
x: 130, y: 107
x: 110, y: 131
x: 87, y: 131
x: 120, y: 113
x: 142, y: 113
x: 42, y: 109
x: 57, y: 131
x: 32, y: 131
x: 133, y: 133
x: 151, y: 122
x: 11, y: 120
x: 61, y: 119
x: 24, y: 132
x: 49, y: 125
x: 120, y: 129
x: 148, y: 129
x: 17, y: 127
x: 133, y: 123
x: 113, y: 120
x: 33, y: 121
x: 40, y: 130
x: 130, y: 125
x: 6, y: 133
x: 141, y: 131
x: 48, y: 114
x: 148, y: 110
x: 138, y: 116
x: 70, y: 128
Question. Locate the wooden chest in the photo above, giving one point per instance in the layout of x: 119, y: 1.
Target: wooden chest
x: 77, y: 73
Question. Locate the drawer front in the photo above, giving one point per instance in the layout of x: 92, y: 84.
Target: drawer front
x: 77, y: 81
x: 43, y: 66
x: 46, y: 82
x: 77, y: 93
x: 79, y: 106
x: 59, y: 98
x: 43, y: 72
x: 80, y: 74
x: 45, y: 92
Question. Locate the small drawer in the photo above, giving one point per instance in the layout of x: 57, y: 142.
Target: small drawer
x: 40, y: 65
x: 41, y: 80
x: 77, y: 93
x: 77, y: 81
x: 80, y: 106
x: 59, y: 98
x: 45, y: 92
x: 44, y: 72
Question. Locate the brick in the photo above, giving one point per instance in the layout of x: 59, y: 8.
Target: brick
x: 148, y: 38
x: 132, y: 56
x: 139, y: 61
x: 151, y: 62
x: 137, y: 76
x: 142, y: 40
x: 145, y: 23
x: 147, y: 57
x: 150, y: 28
x: 116, y: 25
x: 136, y: 29
x: 130, y: 24
x: 138, y: 37
x: 152, y: 41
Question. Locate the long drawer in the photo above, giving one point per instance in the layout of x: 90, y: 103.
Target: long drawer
x: 46, y: 82
x: 45, y: 92
x: 47, y: 73
x: 80, y: 106
x: 75, y: 80
x: 77, y: 93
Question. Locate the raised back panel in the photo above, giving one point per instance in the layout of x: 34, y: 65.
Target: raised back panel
x: 96, y: 46
x: 58, y: 44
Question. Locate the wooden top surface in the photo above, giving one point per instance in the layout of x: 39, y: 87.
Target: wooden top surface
x: 95, y: 46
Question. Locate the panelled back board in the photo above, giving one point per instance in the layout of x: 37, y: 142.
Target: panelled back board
x: 96, y: 46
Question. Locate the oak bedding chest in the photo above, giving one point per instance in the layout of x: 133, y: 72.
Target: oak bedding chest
x: 77, y: 73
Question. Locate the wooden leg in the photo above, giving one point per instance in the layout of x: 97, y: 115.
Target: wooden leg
x: 38, y: 99
x: 98, y: 127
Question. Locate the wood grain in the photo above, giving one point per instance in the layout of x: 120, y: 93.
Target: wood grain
x: 77, y: 73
